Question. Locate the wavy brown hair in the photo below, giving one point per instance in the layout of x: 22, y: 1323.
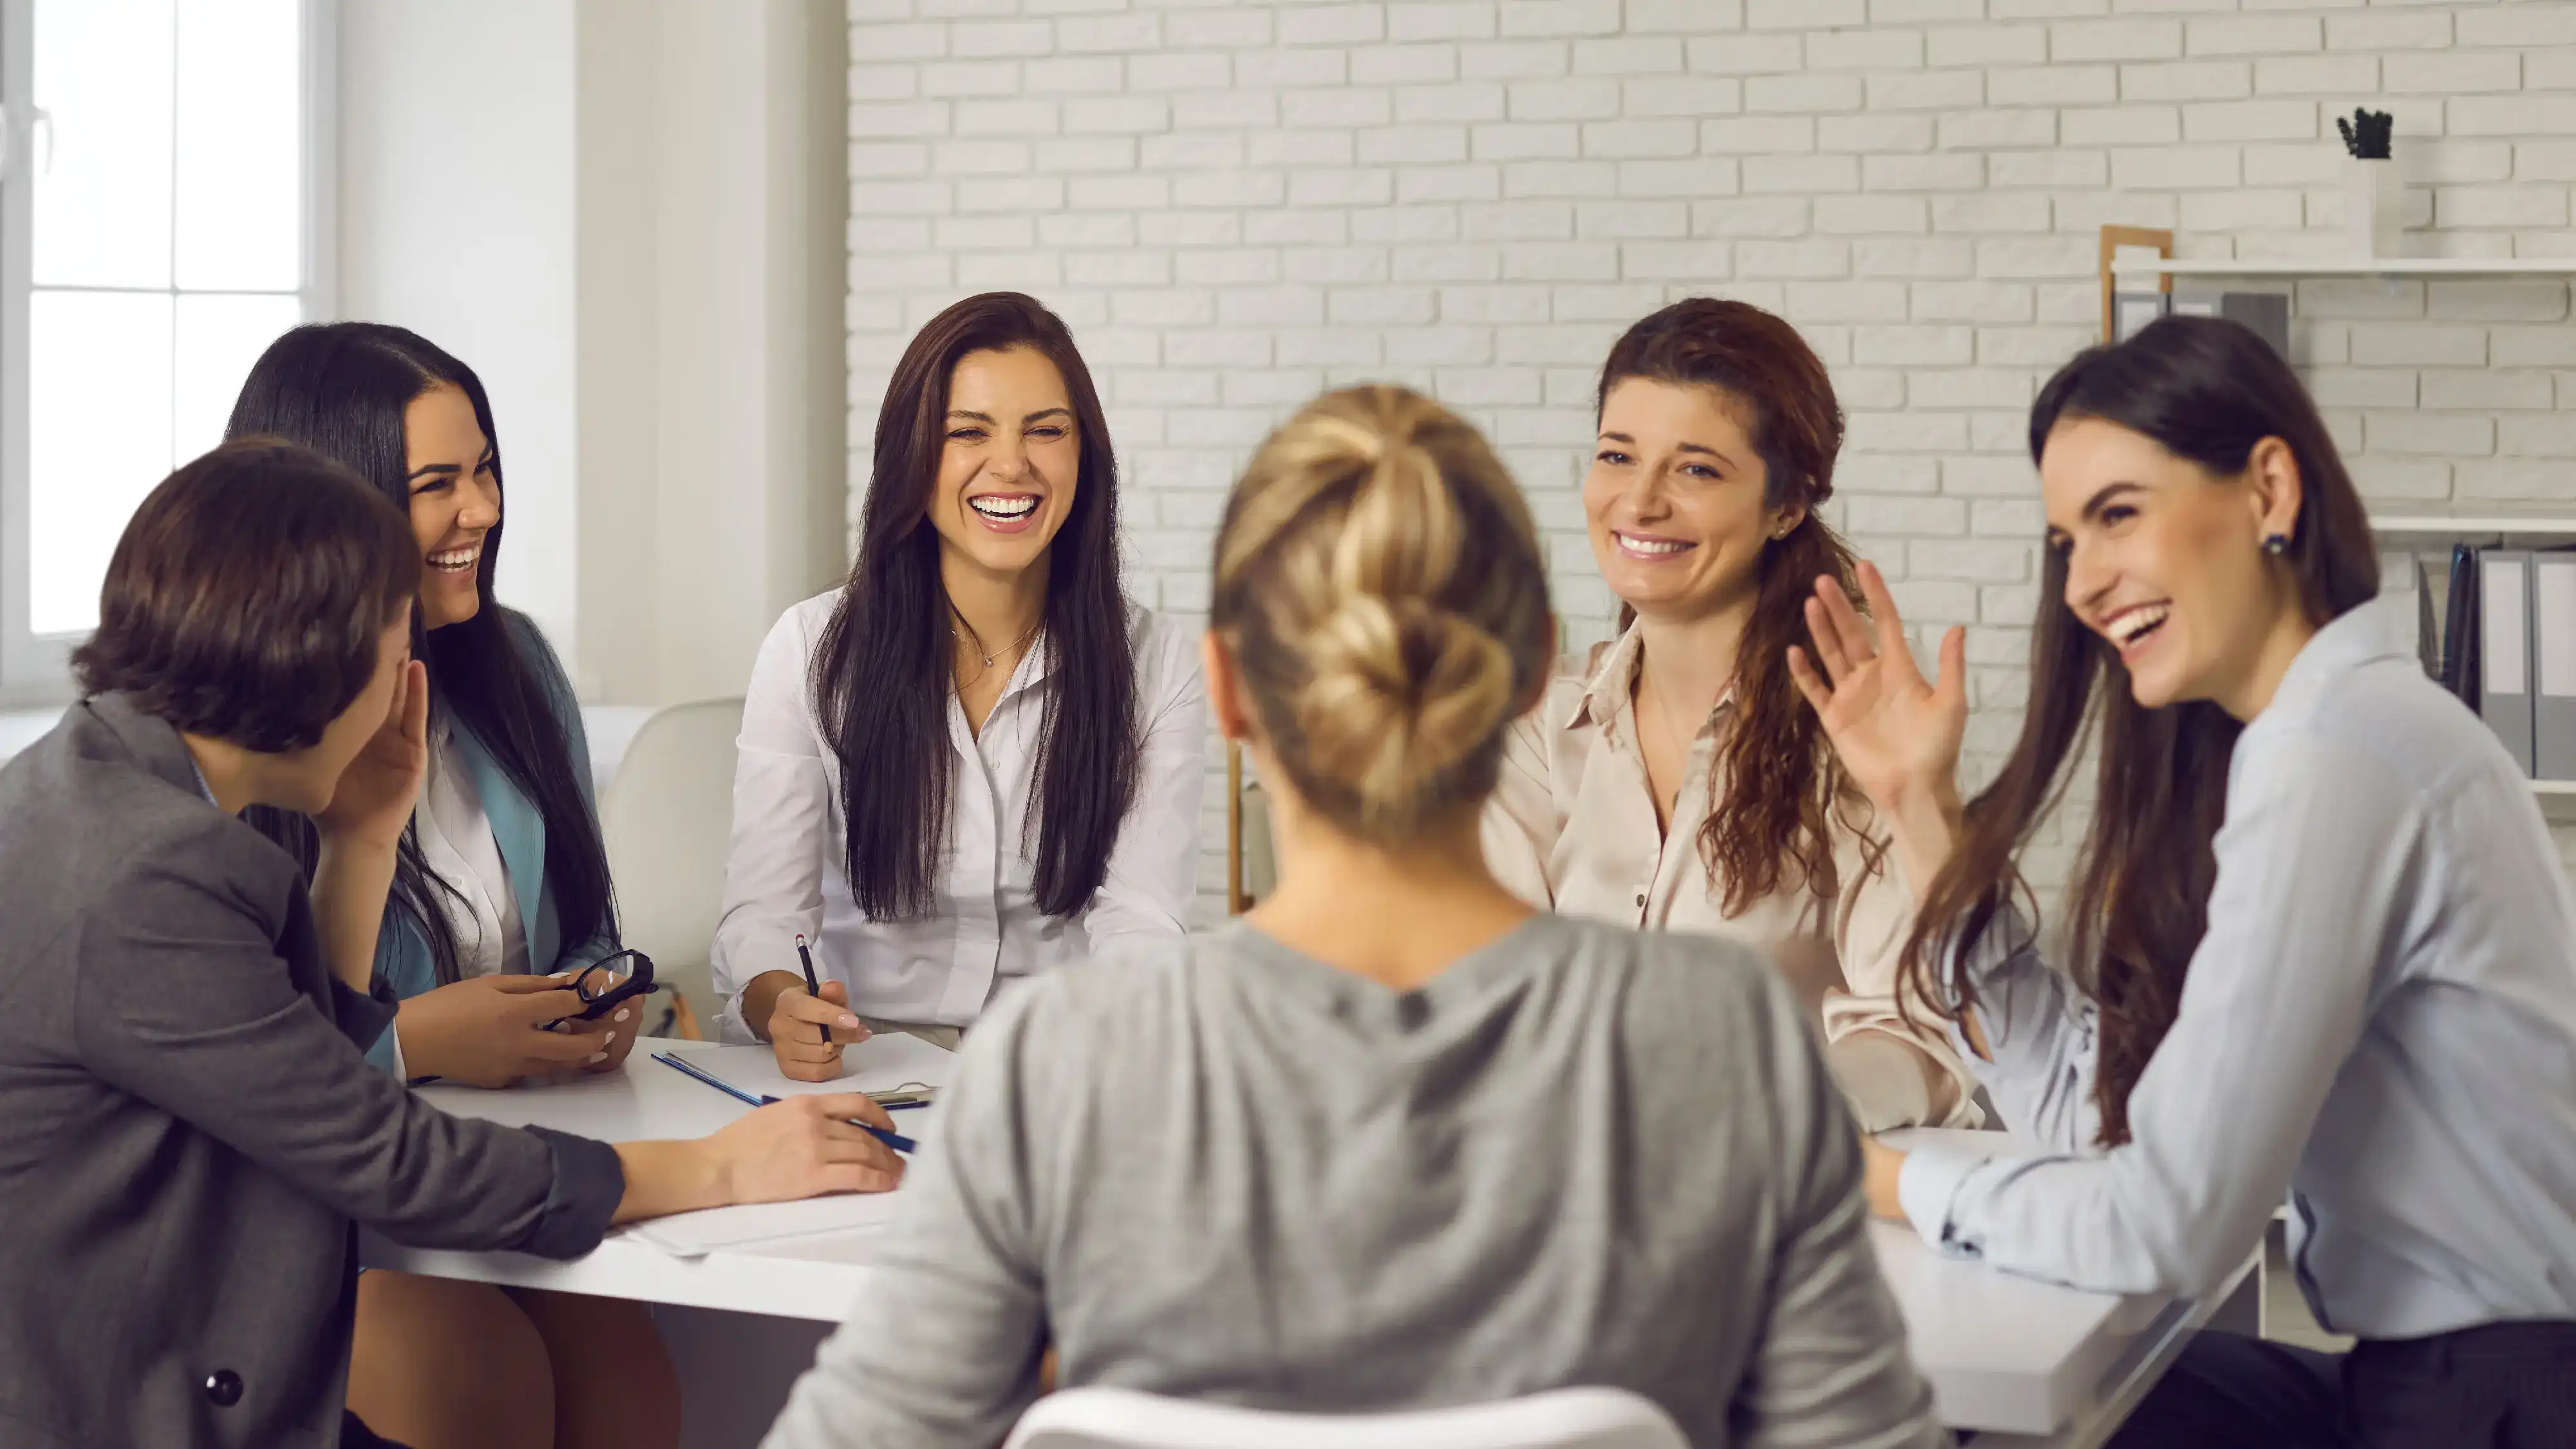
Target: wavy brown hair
x: 1778, y: 787
x: 2205, y: 390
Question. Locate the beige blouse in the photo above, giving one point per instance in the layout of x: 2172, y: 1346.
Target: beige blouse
x: 1572, y: 828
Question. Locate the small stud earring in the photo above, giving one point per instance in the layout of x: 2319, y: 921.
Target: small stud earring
x: 2276, y: 544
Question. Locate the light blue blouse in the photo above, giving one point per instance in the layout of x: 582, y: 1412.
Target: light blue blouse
x: 2381, y: 1019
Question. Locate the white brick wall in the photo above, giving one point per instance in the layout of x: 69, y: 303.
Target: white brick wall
x: 1237, y: 204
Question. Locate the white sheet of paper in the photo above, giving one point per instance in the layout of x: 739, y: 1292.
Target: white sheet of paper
x: 694, y: 1235
x: 879, y: 1064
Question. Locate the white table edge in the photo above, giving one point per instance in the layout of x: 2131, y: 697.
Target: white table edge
x: 736, y: 1281
x: 2148, y: 1355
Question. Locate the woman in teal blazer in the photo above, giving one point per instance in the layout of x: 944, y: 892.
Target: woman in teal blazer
x: 406, y: 956
x: 500, y: 893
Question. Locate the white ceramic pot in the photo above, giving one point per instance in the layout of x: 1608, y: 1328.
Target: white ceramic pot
x: 2374, y: 207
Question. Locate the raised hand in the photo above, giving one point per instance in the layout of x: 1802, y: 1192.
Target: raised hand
x: 376, y: 793
x: 1896, y: 735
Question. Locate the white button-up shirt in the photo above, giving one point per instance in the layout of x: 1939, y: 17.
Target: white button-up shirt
x: 787, y: 870
x: 2380, y: 1020
x: 1572, y: 828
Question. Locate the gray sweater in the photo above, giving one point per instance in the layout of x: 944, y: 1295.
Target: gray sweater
x: 1220, y: 1170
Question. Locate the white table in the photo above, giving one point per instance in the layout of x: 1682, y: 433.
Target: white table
x: 815, y: 1278
x: 2025, y: 1363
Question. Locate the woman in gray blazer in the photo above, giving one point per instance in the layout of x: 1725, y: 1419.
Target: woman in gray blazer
x: 189, y: 1127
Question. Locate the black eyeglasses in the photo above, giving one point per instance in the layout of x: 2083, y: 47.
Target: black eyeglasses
x: 602, y: 985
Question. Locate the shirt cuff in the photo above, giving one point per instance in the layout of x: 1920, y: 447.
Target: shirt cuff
x: 1927, y: 1187
x: 589, y: 1183
x: 361, y: 1018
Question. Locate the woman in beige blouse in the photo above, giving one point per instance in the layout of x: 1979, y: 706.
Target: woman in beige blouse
x: 1671, y: 780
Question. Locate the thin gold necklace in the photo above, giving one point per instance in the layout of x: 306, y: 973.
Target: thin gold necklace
x: 958, y: 621
x: 1672, y: 733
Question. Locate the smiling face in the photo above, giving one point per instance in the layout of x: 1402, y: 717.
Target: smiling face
x: 2165, y: 560
x: 1674, y: 499
x: 1010, y: 463
x: 455, y: 501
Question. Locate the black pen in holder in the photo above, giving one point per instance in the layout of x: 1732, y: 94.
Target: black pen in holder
x: 813, y: 986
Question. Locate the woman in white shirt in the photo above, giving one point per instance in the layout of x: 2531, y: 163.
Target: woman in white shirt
x: 2323, y: 945
x: 1671, y: 780
x: 976, y: 761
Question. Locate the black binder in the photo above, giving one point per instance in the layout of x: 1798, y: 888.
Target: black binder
x: 2460, y: 627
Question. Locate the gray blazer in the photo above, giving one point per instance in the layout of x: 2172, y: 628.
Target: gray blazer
x: 188, y: 1127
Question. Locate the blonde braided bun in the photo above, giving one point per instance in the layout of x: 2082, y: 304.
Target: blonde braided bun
x: 1379, y: 585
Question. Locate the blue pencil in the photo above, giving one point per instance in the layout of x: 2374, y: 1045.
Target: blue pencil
x: 895, y: 1140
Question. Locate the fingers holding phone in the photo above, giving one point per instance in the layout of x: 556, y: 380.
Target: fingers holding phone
x: 488, y: 1031
x: 612, y: 1015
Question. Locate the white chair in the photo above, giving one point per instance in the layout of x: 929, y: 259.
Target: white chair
x: 1591, y: 1418
x: 666, y: 818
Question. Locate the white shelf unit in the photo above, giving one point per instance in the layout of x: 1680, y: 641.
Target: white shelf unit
x: 2538, y: 526
x: 2500, y: 524
x: 2390, y: 267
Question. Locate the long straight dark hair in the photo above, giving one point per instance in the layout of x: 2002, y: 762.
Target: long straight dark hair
x: 1782, y: 785
x: 341, y: 388
x: 883, y: 670
x: 2207, y: 391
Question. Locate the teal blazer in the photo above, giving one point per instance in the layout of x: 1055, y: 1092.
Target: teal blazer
x: 403, y: 963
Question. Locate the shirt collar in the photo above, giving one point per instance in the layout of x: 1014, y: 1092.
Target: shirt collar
x: 1612, y: 685
x: 1611, y: 688
x: 2360, y: 635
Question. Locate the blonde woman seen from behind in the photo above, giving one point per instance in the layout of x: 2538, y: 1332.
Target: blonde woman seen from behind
x: 1671, y: 779
x: 1393, y: 1140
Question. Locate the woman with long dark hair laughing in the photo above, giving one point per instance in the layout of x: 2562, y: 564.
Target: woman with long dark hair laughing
x: 2322, y: 947
x: 976, y: 760
x: 500, y: 885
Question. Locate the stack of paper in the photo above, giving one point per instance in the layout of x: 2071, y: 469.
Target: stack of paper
x: 879, y: 1064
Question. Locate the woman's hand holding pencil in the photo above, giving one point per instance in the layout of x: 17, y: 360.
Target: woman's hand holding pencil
x: 807, y: 1022
x: 798, y: 1017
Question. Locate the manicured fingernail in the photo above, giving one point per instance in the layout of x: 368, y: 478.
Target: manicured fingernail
x: 850, y: 1023
x: 597, y: 1057
x: 621, y: 1013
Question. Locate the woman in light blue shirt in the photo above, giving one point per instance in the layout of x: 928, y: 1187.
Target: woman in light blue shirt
x: 500, y: 891
x: 2324, y: 947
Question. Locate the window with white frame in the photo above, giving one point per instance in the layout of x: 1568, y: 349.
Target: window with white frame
x: 160, y: 165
